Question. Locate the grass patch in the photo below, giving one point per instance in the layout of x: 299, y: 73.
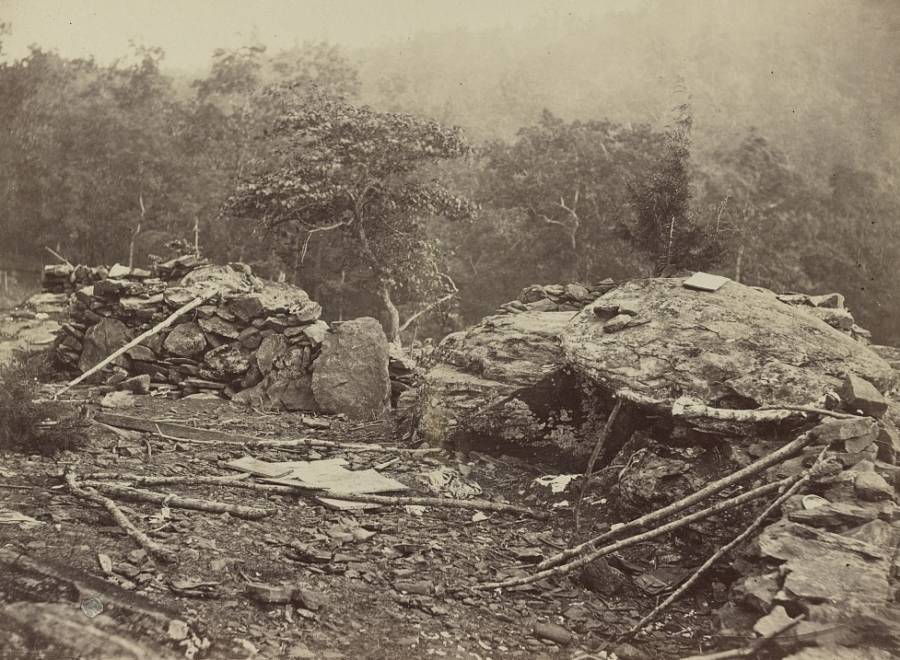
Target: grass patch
x: 28, y: 425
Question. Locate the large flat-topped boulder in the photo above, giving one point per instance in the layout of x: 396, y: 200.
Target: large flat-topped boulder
x: 738, y: 346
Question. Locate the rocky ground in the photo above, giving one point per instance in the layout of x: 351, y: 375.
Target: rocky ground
x: 394, y: 582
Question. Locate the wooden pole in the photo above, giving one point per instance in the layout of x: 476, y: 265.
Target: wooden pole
x: 181, y: 311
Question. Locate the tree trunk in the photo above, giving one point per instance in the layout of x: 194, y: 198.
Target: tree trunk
x: 738, y: 263
x: 391, y: 320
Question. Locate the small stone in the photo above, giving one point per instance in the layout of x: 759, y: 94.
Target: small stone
x: 178, y: 630
x: 270, y: 594
x: 629, y: 307
x: 271, y: 348
x: 137, y: 557
x: 310, y: 311
x: 422, y: 588
x: 828, y: 300
x: 771, y: 623
x: 888, y: 443
x: 301, y: 651
x: 758, y: 592
x: 136, y: 384
x: 617, y: 323
x: 833, y: 516
x: 218, y: 326
x: 229, y: 360
x: 842, y: 430
x: 872, y: 487
x: 306, y: 598
x: 553, y: 633
x: 600, y: 577
x: 859, y: 394
x: 141, y: 353
x: 185, y: 340
x: 117, y: 400
x: 118, y: 271
x: 316, y: 332
x: 246, y: 307
x: 545, y: 305
x: 578, y: 293
x: 118, y: 375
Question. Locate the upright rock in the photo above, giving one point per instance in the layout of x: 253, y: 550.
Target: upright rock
x: 350, y: 375
x: 101, y: 340
x: 507, y: 369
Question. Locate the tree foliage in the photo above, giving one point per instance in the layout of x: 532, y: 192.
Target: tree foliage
x: 334, y: 168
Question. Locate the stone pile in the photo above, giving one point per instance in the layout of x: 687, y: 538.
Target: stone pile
x: 65, y: 278
x: 830, y: 308
x: 556, y: 297
x: 255, y: 341
x: 833, y: 555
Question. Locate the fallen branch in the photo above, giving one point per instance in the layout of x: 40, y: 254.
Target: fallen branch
x: 189, y: 434
x: 58, y: 256
x: 812, y: 411
x: 179, y: 502
x: 688, y: 409
x: 755, y: 647
x: 704, y: 493
x: 801, y: 480
x: 598, y: 447
x: 237, y: 481
x: 453, y: 291
x: 481, y: 505
x: 148, y: 544
x: 584, y: 559
x: 174, y: 316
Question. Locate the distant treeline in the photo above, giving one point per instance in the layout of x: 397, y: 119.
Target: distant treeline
x: 273, y: 161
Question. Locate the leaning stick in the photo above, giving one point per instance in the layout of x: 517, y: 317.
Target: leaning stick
x: 584, y: 559
x: 58, y: 256
x: 482, y: 505
x: 148, y: 544
x: 598, y: 447
x: 725, y: 549
x: 704, y: 493
x: 181, y: 311
x: 236, y: 510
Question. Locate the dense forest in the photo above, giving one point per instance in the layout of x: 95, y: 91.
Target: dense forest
x: 425, y: 182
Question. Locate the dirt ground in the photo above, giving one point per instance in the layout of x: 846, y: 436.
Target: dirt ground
x: 404, y: 591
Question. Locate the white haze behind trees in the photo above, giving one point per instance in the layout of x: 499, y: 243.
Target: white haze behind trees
x: 781, y: 120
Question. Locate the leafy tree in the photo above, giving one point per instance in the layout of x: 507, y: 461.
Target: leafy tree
x: 570, y: 182
x: 664, y: 226
x: 768, y: 207
x: 92, y: 153
x: 233, y: 107
x: 347, y: 174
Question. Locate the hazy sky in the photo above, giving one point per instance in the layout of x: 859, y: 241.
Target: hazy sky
x: 189, y: 30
